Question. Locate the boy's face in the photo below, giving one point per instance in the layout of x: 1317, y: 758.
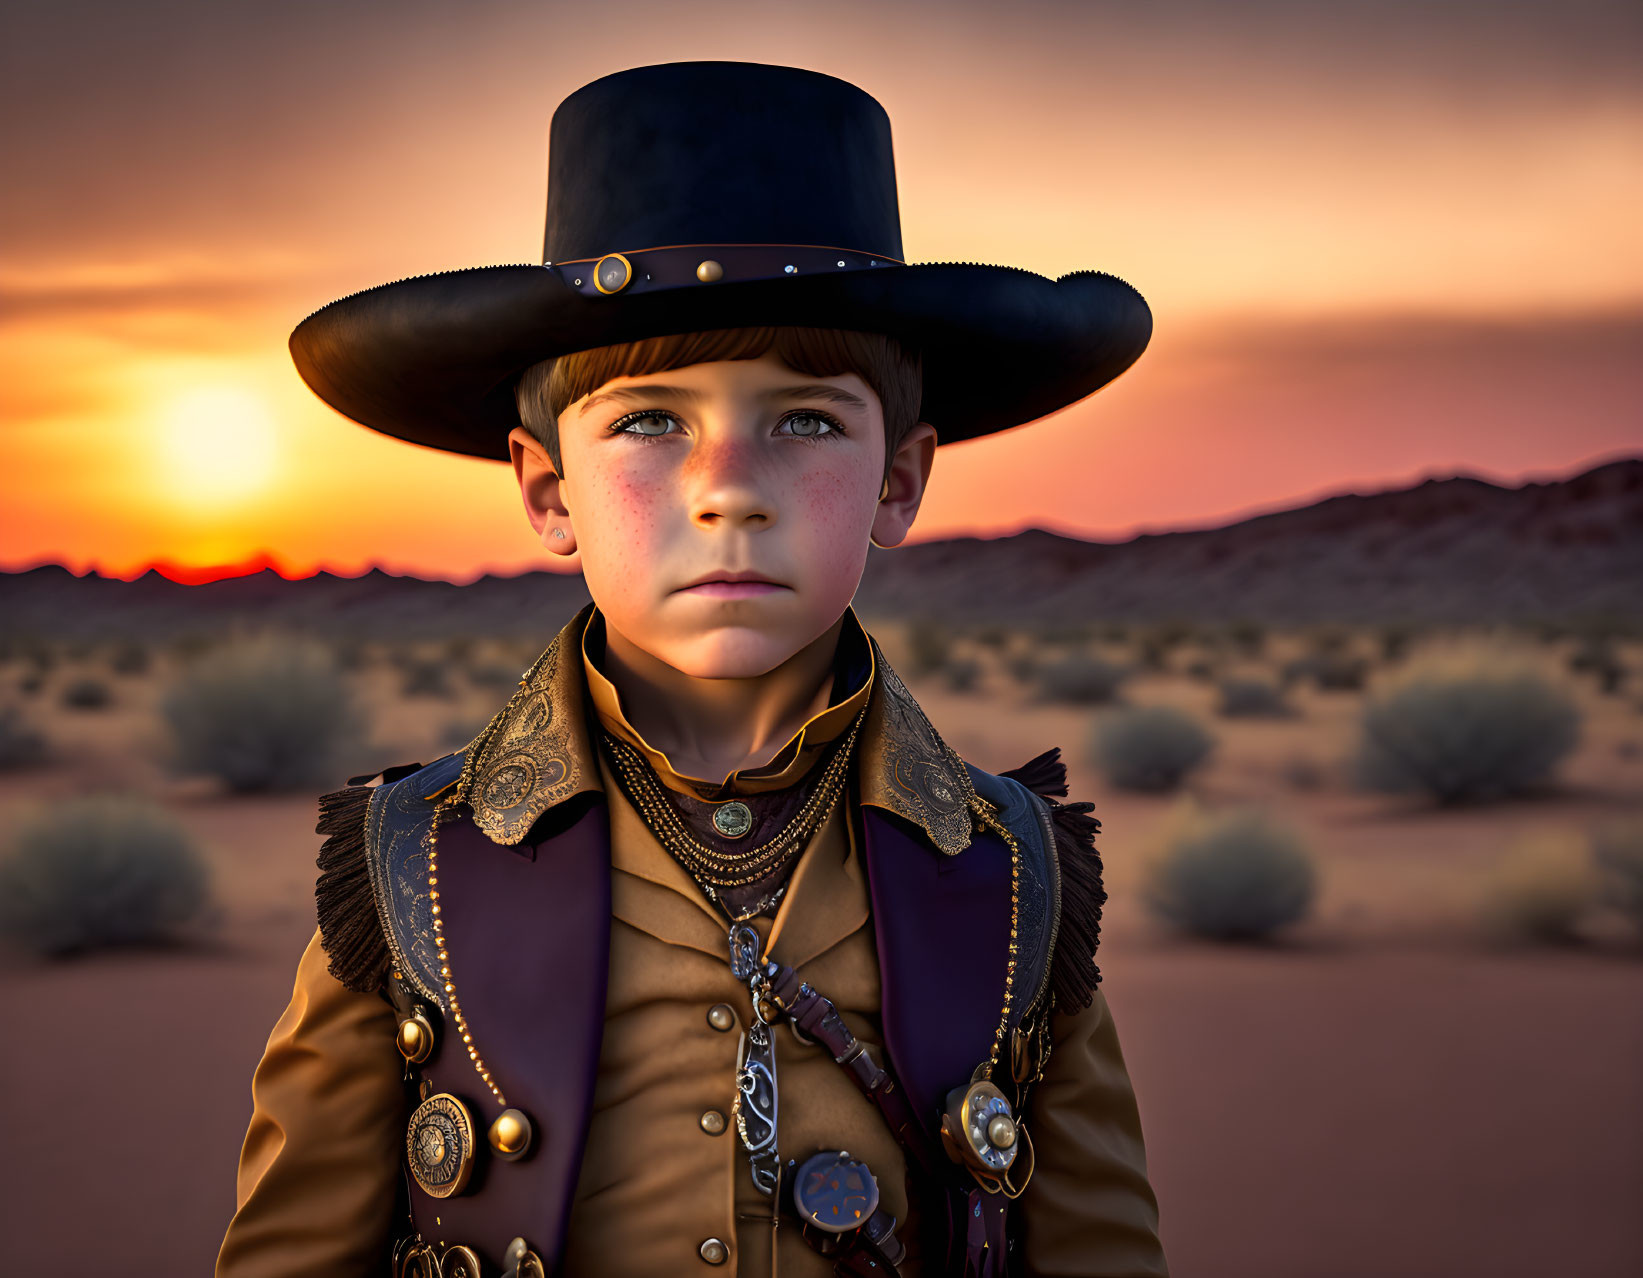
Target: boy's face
x: 721, y: 512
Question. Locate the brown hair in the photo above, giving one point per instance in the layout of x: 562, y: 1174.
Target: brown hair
x: 893, y: 371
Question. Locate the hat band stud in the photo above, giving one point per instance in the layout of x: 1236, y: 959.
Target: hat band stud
x: 692, y: 265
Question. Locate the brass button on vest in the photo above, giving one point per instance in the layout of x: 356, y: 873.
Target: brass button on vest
x: 713, y: 1122
x: 714, y: 1252
x: 722, y: 1017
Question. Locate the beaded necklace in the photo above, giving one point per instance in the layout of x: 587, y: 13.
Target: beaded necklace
x: 712, y: 868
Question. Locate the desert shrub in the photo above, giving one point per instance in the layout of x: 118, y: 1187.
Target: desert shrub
x: 1332, y: 638
x: 130, y: 659
x: 1395, y: 641
x: 1149, y: 747
x: 1080, y: 678
x: 1249, y: 637
x: 493, y: 674
x: 265, y: 713
x: 1598, y: 658
x: 100, y: 870
x: 1541, y: 888
x: 87, y: 693
x: 1247, y: 696
x: 31, y: 683
x: 929, y: 644
x: 962, y: 674
x: 1200, y: 668
x: 1617, y: 850
x: 1022, y: 666
x: 459, y: 648
x: 1235, y: 875
x: 21, y: 744
x: 1461, y: 730
x: 1334, y: 670
x: 425, y: 678
x: 1152, y: 651
x: 996, y: 638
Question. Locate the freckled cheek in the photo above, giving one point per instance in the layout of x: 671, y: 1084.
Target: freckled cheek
x: 836, y: 518
x: 623, y: 525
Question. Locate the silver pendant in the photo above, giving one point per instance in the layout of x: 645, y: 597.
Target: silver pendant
x: 755, y: 1106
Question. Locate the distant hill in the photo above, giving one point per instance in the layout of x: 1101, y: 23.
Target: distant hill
x: 1445, y: 550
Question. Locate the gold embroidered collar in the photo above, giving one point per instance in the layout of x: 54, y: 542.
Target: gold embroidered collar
x: 537, y: 752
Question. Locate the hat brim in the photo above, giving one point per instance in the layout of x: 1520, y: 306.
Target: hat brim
x: 433, y: 359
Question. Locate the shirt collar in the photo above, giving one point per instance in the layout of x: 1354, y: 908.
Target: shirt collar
x: 853, y: 668
x: 537, y: 751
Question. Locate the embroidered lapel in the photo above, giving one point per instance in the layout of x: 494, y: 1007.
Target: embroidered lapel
x: 536, y: 752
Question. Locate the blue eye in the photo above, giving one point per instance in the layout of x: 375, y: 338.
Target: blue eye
x: 647, y: 424
x: 809, y: 426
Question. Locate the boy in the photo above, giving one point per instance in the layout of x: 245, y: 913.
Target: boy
x: 707, y: 953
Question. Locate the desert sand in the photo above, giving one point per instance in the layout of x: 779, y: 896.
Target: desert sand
x: 1378, y: 1090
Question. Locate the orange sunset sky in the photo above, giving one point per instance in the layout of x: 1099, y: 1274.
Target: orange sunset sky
x: 1380, y: 241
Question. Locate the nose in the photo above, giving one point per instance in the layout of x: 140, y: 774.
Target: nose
x: 727, y: 488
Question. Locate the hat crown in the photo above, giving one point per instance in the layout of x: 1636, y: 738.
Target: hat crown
x: 719, y: 153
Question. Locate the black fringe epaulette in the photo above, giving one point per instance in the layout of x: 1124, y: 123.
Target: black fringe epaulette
x: 1073, y: 971
x: 348, y: 922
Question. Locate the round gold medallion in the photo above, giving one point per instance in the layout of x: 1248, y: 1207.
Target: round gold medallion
x: 439, y: 1145
x: 733, y: 819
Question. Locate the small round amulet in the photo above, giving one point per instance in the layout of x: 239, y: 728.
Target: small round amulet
x: 439, y: 1145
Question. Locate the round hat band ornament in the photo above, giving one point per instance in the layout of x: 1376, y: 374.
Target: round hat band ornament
x: 682, y: 265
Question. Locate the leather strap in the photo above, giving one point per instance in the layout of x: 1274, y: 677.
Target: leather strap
x: 817, y: 1018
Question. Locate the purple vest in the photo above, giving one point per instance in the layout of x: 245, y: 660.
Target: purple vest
x: 530, y: 924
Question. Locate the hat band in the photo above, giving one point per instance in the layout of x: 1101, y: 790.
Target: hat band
x: 695, y: 265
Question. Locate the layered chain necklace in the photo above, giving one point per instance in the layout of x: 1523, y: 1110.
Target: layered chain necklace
x: 714, y: 869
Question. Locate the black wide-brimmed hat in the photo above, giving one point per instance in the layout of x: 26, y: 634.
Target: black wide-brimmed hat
x: 705, y: 195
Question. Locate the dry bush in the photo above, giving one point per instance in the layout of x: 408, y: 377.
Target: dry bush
x: 427, y: 678
x: 962, y: 674
x: 493, y: 674
x: 929, y: 645
x: 22, y: 745
x: 1248, y: 696
x: 1617, y: 850
x: 263, y: 713
x: 1331, y: 671
x: 1234, y: 875
x: 1150, y: 748
x: 1599, y: 658
x: 1080, y: 678
x: 87, y: 692
x: 1541, y: 888
x: 131, y: 658
x: 1465, y: 726
x: 97, y: 871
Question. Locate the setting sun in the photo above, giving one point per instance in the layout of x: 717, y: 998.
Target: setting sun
x: 219, y: 444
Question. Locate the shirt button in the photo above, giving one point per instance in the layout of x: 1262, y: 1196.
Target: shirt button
x: 713, y: 1122
x: 722, y: 1017
x: 714, y: 1252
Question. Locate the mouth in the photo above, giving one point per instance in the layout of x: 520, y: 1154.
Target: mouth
x: 731, y: 585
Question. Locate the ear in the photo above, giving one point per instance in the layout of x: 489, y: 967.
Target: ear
x: 909, y: 474
x: 542, y: 490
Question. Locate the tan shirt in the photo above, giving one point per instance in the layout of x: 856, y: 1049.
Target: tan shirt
x: 321, y: 1158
